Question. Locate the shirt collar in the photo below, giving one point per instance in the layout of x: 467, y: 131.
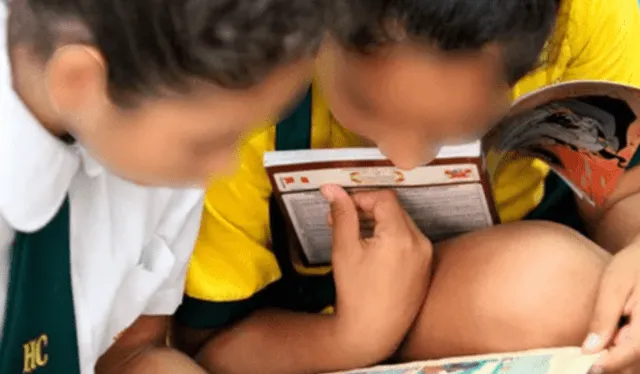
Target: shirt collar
x: 36, y: 169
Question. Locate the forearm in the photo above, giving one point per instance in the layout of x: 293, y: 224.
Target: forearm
x: 282, y: 342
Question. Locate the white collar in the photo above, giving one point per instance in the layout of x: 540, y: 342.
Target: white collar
x: 36, y: 169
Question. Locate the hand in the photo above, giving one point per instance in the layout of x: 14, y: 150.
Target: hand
x: 382, y: 281
x: 618, y: 299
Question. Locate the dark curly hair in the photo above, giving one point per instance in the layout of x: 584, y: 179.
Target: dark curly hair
x: 154, y: 45
x: 522, y: 27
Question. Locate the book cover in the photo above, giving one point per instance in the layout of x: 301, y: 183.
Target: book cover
x: 547, y: 361
x: 586, y: 131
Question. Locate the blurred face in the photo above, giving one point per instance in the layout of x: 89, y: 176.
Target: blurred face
x: 411, y: 102
x: 174, y: 140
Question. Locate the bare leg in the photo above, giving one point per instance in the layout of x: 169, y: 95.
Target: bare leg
x: 513, y: 287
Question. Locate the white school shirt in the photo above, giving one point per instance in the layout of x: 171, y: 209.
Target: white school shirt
x: 130, y: 245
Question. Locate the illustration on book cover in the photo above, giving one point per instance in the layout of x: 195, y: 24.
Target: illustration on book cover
x: 587, y: 134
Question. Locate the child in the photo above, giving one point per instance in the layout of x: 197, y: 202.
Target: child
x: 99, y: 98
x: 410, y: 76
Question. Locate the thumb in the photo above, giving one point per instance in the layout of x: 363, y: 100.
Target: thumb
x: 344, y: 217
x: 612, y: 298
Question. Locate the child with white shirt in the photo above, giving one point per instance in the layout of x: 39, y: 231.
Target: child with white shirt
x: 109, y: 111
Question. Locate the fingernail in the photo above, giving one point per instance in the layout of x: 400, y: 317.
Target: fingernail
x: 596, y: 370
x: 598, y: 366
x: 592, y: 342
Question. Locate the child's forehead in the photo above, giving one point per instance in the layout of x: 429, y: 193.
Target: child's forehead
x: 408, y: 75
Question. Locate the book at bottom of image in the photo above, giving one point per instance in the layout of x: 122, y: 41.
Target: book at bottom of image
x: 568, y: 360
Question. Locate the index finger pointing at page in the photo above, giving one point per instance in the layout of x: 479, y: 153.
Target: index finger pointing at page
x: 344, y: 218
x: 384, y: 207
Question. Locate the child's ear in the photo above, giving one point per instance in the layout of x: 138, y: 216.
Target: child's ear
x: 76, y: 77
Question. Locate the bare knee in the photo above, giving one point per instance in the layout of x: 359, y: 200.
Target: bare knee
x: 513, y: 287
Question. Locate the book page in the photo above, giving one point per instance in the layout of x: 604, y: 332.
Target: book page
x: 439, y: 211
x: 587, y: 132
x: 310, y: 176
x: 550, y: 361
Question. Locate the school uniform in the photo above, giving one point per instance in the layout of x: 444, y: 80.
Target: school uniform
x: 241, y: 262
x: 83, y: 253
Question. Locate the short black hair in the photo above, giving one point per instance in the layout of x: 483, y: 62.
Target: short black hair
x: 154, y: 45
x: 522, y: 27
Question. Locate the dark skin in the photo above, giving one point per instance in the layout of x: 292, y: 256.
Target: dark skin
x: 190, y: 340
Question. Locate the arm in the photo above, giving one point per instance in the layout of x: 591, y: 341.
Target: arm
x: 617, y: 223
x: 276, y: 341
x: 225, y: 316
x: 142, y: 347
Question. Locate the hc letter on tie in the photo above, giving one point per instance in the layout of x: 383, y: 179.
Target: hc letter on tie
x: 39, y: 335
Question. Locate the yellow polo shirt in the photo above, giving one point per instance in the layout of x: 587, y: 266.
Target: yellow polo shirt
x: 232, y: 266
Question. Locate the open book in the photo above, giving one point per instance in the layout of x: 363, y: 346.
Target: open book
x: 548, y: 361
x: 586, y: 131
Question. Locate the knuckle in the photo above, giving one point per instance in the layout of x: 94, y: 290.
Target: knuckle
x: 415, y: 243
x: 404, y: 242
x: 337, y: 212
x: 423, y: 246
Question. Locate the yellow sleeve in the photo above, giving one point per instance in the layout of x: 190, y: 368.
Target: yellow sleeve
x: 231, y: 263
x: 604, y: 41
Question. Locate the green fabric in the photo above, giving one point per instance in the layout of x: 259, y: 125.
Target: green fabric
x: 558, y: 205
x: 310, y: 293
x: 201, y: 314
x: 294, y: 131
x: 39, y: 333
x: 306, y: 294
x: 293, y: 291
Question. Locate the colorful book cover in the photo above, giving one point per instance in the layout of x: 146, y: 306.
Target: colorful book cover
x: 550, y: 361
